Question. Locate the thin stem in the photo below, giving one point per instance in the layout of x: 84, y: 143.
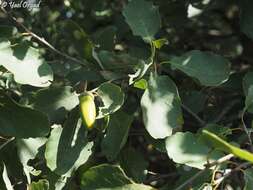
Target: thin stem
x: 42, y: 40
x: 226, y: 110
x: 221, y: 160
x: 246, y: 130
x: 191, y: 179
x: 238, y: 168
x: 7, y: 142
x: 201, y: 121
x: 152, y: 57
x: 163, y: 62
x: 208, y: 166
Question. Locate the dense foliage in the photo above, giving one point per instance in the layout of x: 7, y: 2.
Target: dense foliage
x: 117, y: 94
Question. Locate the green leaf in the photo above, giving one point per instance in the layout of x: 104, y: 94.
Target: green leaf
x: 9, y: 157
x: 134, y: 164
x: 26, y: 65
x: 246, y: 18
x: 248, y: 91
x: 27, y: 150
x: 120, y: 62
x: 20, y: 121
x: 161, y: 107
x: 248, y: 179
x: 249, y: 100
x: 194, y: 100
x: 40, y: 185
x: 105, y: 38
x: 208, y: 68
x: 112, y: 98
x: 67, y: 148
x: 82, y: 74
x: 247, y: 82
x: 56, y: 182
x: 108, y: 177
x: 196, y: 184
x: 141, y: 84
x: 220, y: 144
x: 186, y: 148
x: 143, y: 18
x: 116, y: 135
x: 160, y: 43
x: 7, y: 31
x: 234, y: 82
x: 55, y: 102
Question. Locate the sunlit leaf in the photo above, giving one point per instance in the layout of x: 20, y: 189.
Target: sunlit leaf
x: 26, y: 64
x: 161, y: 107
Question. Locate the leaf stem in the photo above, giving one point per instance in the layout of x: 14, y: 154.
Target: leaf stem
x: 226, y: 110
x: 201, y: 121
x: 246, y: 130
x: 238, y: 168
x: 7, y: 142
x: 208, y: 166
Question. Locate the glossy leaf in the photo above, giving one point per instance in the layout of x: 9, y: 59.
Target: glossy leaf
x: 208, y: 68
x: 134, y: 164
x: 141, y: 84
x: 249, y: 99
x: 248, y: 91
x: 160, y: 43
x: 120, y: 62
x: 112, y: 99
x: 20, y: 121
x: 105, y: 38
x: 55, y: 102
x: 27, y: 150
x: 246, y: 18
x: 116, y: 135
x: 186, y: 148
x: 248, y: 179
x: 143, y: 18
x: 194, y: 100
x: 66, y: 141
x: 26, y: 65
x: 247, y: 82
x: 108, y: 177
x: 161, y: 107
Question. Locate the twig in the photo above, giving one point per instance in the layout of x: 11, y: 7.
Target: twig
x: 201, y: 122
x: 42, y: 40
x: 226, y: 110
x: 219, y: 161
x: 218, y: 181
x: 7, y: 142
x: 191, y: 179
x: 246, y: 130
x: 208, y: 166
x: 162, y: 176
